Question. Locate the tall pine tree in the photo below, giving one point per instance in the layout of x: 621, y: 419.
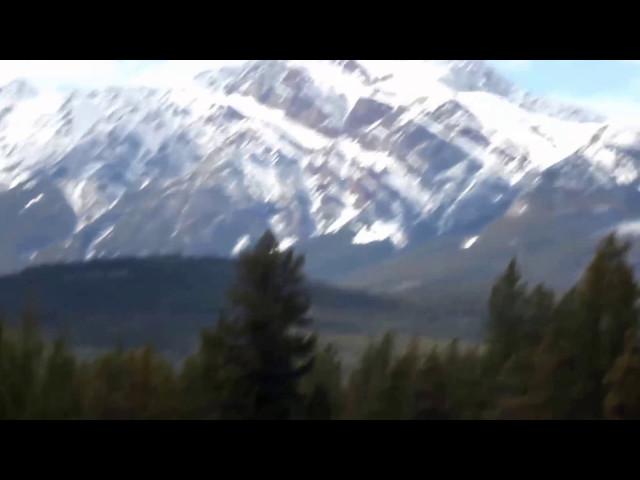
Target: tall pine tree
x: 323, y: 385
x: 608, y: 296
x: 267, y: 342
x: 623, y: 382
x: 507, y: 305
x: 431, y: 389
x: 369, y: 379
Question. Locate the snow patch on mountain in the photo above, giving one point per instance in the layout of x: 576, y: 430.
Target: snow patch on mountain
x: 381, y: 230
x: 468, y: 242
x: 91, y: 249
x: 33, y: 201
x: 631, y: 227
x: 241, y: 244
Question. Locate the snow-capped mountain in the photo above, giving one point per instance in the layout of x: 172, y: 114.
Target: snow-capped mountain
x: 373, y: 151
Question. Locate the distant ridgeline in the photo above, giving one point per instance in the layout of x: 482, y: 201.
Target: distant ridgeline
x: 166, y: 301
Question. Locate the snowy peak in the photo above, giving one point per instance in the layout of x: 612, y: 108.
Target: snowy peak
x: 16, y: 91
x: 476, y: 75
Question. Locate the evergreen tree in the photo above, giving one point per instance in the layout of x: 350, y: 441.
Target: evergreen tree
x: 431, y: 389
x: 59, y: 393
x: 398, y: 397
x: 473, y: 394
x: 7, y: 363
x: 319, y: 404
x: 607, y: 295
x: 610, y: 293
x: 369, y: 379
x: 152, y: 386
x: 555, y: 385
x: 205, y: 379
x: 105, y: 387
x: 323, y: 385
x: 27, y: 366
x: 507, y: 305
x: 267, y: 342
x: 138, y: 384
x: 512, y: 383
x: 584, y: 337
x: 623, y: 382
x: 540, y: 304
x: 466, y: 386
x: 517, y: 324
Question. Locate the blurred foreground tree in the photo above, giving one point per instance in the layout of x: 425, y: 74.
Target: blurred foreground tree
x: 623, y: 382
x: 323, y: 386
x: 267, y: 346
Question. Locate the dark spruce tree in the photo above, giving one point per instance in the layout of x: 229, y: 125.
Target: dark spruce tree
x: 431, y: 391
x: 323, y: 385
x: 398, y: 397
x: 204, y: 380
x: 539, y: 311
x: 607, y: 297
x: 623, y: 381
x: 507, y: 306
x: 268, y: 345
x: 583, y: 340
x: 22, y: 359
x: 319, y: 404
x: 59, y: 395
x: 368, y: 380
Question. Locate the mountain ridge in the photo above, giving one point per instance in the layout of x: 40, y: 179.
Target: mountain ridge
x: 346, y: 156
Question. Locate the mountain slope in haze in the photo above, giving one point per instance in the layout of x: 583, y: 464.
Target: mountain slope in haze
x: 353, y: 161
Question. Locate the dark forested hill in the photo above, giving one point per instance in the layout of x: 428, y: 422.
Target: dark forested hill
x: 166, y: 301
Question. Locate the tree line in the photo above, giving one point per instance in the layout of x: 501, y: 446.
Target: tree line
x: 573, y: 357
